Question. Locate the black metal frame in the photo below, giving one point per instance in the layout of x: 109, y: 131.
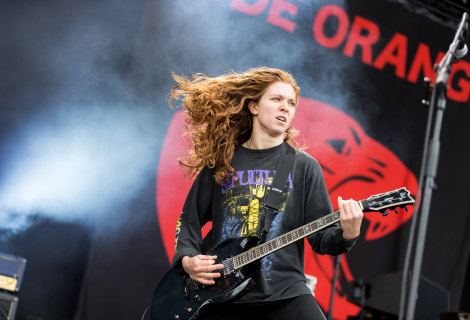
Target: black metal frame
x: 445, y: 12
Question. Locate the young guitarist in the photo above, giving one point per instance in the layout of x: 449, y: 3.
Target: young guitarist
x: 237, y: 125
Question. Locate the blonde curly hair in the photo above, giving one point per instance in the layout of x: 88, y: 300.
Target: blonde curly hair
x: 218, y: 119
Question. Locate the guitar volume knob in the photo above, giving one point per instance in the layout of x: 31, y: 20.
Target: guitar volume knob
x: 197, y: 298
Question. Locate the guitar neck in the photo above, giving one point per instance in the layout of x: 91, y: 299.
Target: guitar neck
x: 284, y: 240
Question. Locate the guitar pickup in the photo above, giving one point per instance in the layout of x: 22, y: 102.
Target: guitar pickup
x: 185, y: 287
x: 227, y: 272
x: 228, y: 267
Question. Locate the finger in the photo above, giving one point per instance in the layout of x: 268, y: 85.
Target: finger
x: 358, y: 208
x: 209, y: 268
x: 214, y: 267
x: 204, y: 280
x: 208, y: 275
x: 214, y: 275
x: 347, y: 211
x: 352, y: 208
x: 355, y: 210
x: 340, y: 204
x: 207, y: 278
x: 203, y: 257
x: 206, y: 262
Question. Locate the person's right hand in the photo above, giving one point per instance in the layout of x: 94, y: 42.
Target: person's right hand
x: 200, y: 268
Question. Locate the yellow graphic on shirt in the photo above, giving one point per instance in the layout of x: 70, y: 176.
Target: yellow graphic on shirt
x: 244, y: 206
x: 178, y: 229
x: 231, y: 204
x: 251, y: 218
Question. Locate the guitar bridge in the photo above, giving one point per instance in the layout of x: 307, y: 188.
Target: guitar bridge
x: 228, y: 267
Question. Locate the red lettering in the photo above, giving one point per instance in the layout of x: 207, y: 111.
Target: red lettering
x: 274, y: 14
x: 463, y: 84
x: 394, y: 53
x: 365, y: 41
x: 440, y: 56
x: 319, y: 23
x: 251, y: 9
x: 421, y: 61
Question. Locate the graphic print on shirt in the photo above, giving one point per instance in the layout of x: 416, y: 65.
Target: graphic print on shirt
x: 243, y: 201
x: 177, y: 232
x: 243, y: 204
x: 274, y: 231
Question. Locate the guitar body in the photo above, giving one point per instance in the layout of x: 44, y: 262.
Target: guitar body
x: 178, y: 297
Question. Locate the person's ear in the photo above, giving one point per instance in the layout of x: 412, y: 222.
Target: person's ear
x: 253, y: 106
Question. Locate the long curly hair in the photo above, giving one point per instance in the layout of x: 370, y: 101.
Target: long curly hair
x: 218, y: 119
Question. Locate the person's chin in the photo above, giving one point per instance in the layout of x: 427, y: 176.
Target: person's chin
x: 277, y: 134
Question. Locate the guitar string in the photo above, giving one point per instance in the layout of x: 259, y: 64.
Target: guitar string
x: 296, y: 234
x: 284, y: 240
x: 274, y: 244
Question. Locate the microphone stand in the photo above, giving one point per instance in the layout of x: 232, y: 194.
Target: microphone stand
x: 430, y: 160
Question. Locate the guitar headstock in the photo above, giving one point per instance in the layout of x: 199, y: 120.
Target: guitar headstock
x: 388, y: 200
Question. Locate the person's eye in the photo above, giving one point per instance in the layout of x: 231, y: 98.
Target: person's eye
x: 276, y: 99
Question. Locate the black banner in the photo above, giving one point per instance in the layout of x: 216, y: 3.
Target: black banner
x: 360, y: 66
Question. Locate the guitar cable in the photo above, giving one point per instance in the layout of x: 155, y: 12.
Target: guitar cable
x: 145, y: 312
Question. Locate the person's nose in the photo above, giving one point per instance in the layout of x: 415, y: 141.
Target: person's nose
x: 284, y: 106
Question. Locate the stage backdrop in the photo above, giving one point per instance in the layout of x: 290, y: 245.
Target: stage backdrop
x: 360, y: 65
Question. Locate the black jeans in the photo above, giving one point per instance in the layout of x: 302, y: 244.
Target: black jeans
x: 303, y: 307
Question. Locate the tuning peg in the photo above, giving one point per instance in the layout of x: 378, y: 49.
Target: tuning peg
x: 385, y: 213
x: 395, y: 209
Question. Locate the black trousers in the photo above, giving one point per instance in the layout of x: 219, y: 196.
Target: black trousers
x: 303, y: 307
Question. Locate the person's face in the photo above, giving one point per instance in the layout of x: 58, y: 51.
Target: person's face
x: 275, y: 110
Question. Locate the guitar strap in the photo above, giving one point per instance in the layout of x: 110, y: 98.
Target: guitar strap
x: 273, y: 201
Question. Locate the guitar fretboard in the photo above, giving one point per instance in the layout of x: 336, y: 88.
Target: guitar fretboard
x: 284, y: 240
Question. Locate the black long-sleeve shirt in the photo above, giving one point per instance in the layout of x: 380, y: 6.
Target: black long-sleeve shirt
x: 235, y: 207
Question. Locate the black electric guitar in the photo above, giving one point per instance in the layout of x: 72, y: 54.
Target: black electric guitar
x: 179, y: 297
